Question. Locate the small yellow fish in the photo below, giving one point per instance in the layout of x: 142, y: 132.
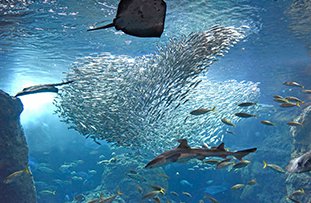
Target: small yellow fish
x: 266, y: 122
x: 151, y: 194
x: 227, y: 122
x: 157, y: 200
x: 294, y: 99
x: 244, y: 115
x: 210, y: 198
x: 294, y: 123
x: 224, y: 163
x: 139, y: 189
x: 241, y: 164
x: 246, y: 104
x: 274, y: 167
x: 298, y: 192
x: 163, y: 175
x: 293, y: 200
x: 111, y: 198
x: 158, y: 188
x: 281, y: 100
x: 237, y: 186
x: 211, y: 161
x: 187, y: 194
x: 277, y: 97
x: 293, y: 84
x: 201, y: 111
x: 174, y: 193
x: 12, y: 177
x: 94, y: 200
x: 252, y: 182
x: 290, y: 104
x: 307, y: 91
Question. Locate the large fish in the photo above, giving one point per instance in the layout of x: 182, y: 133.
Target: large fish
x: 300, y: 164
x: 184, y: 153
x: 140, y: 18
x: 41, y: 88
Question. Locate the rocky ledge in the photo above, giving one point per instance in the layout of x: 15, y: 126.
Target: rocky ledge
x: 301, y: 138
x: 14, y: 153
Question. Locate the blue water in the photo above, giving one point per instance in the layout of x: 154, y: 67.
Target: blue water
x: 41, y: 40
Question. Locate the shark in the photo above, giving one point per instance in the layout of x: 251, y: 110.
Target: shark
x: 183, y: 152
x: 41, y: 88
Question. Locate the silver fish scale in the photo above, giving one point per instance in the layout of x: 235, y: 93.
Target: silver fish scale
x: 143, y: 102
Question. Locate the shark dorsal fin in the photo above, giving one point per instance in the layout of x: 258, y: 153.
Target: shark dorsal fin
x: 221, y: 147
x: 183, y: 144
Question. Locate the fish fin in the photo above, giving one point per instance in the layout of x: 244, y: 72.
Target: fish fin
x: 27, y: 171
x: 298, y: 104
x: 265, y: 164
x: 183, y: 144
x: 101, y: 27
x: 174, y: 157
x: 119, y: 192
x: 214, y: 108
x: 240, y: 154
x: 221, y: 147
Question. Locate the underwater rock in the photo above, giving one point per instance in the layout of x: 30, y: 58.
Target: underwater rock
x: 274, y: 147
x: 127, y: 175
x: 299, y: 14
x: 14, y: 153
x: 301, y: 140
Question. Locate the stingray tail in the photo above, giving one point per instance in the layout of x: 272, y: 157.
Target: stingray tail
x: 102, y: 27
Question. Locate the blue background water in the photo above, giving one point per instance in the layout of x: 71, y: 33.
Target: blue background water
x: 39, y: 41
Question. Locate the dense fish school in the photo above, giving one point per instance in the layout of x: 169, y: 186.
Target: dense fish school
x: 141, y: 102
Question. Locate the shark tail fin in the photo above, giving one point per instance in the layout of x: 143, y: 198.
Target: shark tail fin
x: 265, y: 164
x: 240, y: 154
x: 119, y: 192
x: 102, y: 27
x: 214, y: 108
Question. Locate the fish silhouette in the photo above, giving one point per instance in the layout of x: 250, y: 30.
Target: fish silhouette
x: 140, y: 18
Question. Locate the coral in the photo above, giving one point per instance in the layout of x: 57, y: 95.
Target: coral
x: 14, y: 153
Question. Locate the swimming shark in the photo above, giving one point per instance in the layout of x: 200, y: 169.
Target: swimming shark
x: 41, y: 88
x: 184, y: 153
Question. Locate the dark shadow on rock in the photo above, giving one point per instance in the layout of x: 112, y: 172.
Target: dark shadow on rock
x: 13, y: 153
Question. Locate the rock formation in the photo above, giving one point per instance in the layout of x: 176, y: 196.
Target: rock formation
x: 14, y: 153
x: 301, y: 144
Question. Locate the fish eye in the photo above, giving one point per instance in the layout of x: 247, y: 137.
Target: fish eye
x: 299, y: 163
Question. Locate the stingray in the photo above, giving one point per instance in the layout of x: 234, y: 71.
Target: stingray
x: 140, y: 18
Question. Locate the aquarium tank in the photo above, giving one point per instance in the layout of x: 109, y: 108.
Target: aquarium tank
x: 169, y: 101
